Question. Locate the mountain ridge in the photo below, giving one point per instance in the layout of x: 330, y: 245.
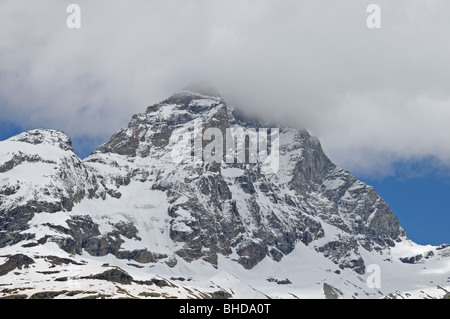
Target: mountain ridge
x: 129, y: 203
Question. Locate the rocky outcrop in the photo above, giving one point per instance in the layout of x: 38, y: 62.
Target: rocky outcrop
x: 114, y: 275
x: 417, y: 258
x: 18, y: 261
x: 331, y: 292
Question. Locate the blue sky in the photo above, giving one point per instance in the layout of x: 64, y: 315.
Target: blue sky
x: 420, y: 201
x: 418, y: 194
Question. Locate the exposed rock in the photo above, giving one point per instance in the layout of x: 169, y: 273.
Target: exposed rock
x: 171, y: 261
x: 57, y: 261
x: 279, y: 282
x: 15, y: 296
x: 331, y: 292
x: 114, y: 275
x: 142, y: 256
x: 15, y: 262
x: 48, y: 294
x: 157, y: 282
x: 150, y: 294
x: 221, y: 294
x: 416, y: 259
x: 341, y: 251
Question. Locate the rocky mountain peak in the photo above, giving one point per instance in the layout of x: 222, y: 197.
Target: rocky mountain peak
x: 267, y: 215
x: 154, y: 127
x: 45, y: 137
x: 131, y: 205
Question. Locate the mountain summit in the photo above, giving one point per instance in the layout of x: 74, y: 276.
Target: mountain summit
x: 132, y: 219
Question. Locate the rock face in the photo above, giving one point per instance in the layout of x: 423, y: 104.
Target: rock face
x: 39, y: 173
x: 253, y: 215
x: 132, y: 200
x: 13, y: 262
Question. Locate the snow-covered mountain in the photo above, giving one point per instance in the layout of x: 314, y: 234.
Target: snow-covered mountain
x: 130, y: 221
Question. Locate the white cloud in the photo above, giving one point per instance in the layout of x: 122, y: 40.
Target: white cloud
x: 373, y: 97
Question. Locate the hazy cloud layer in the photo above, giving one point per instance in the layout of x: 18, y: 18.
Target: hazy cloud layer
x: 373, y: 97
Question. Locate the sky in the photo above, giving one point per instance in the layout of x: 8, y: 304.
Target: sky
x: 378, y: 99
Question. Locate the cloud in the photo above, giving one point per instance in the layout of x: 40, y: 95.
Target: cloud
x: 373, y: 97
